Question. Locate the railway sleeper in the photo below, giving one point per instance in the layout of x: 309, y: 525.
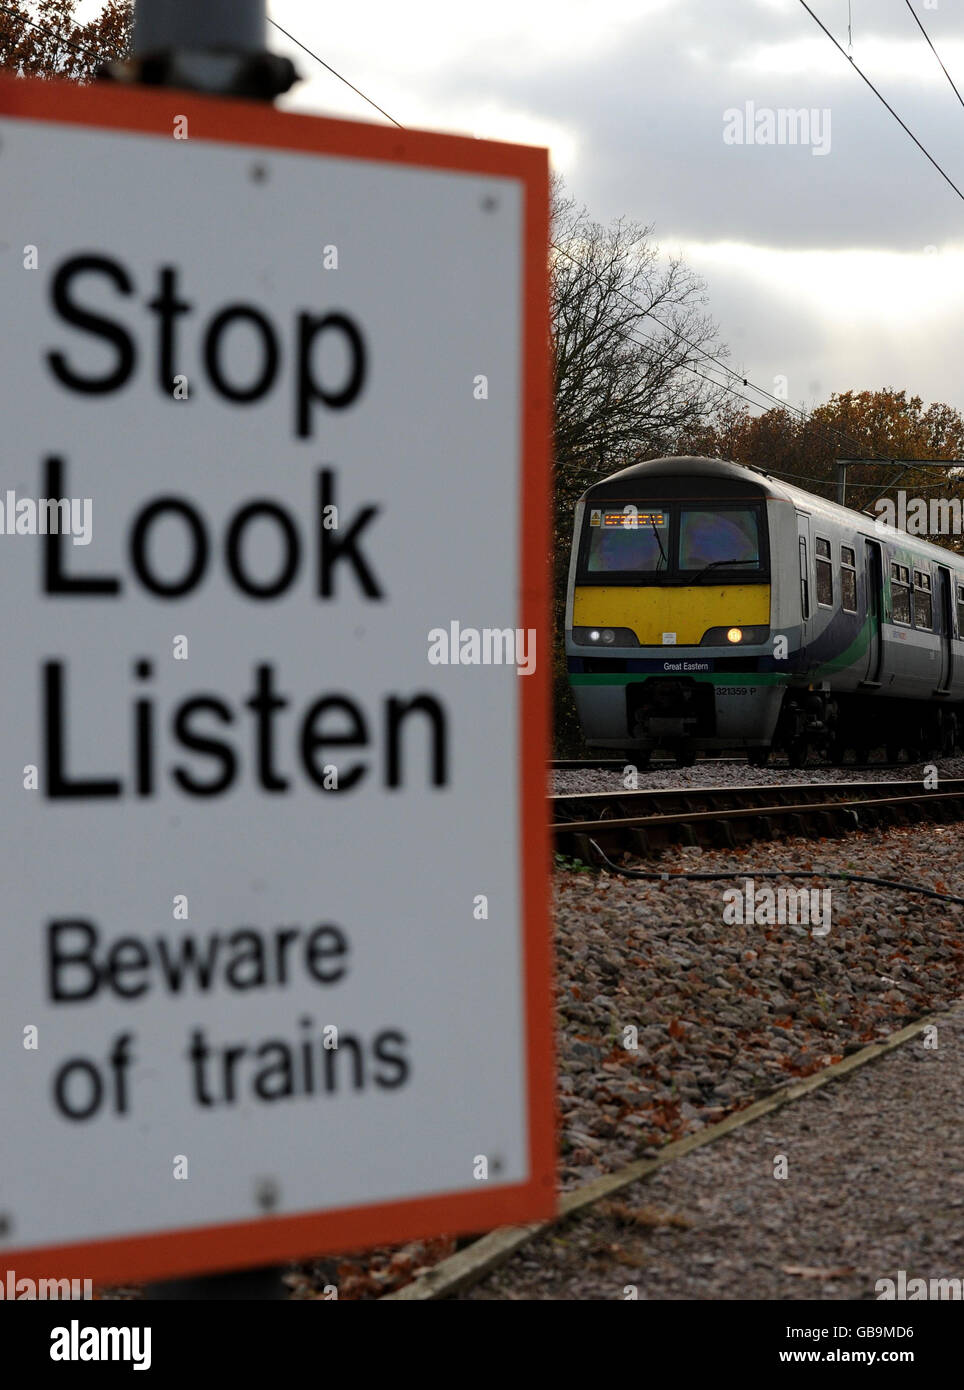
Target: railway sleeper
x: 724, y: 834
x: 765, y: 826
x: 582, y: 848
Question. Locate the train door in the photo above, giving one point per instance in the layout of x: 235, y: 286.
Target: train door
x: 806, y: 584
x: 945, y: 599
x: 873, y: 579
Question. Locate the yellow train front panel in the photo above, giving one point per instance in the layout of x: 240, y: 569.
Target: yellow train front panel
x: 654, y: 612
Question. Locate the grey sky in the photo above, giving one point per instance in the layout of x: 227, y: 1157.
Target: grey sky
x: 838, y: 270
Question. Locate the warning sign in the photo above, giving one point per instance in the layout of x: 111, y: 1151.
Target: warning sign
x: 274, y: 964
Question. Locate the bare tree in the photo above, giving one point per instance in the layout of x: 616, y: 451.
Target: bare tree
x: 629, y: 338
x: 627, y: 325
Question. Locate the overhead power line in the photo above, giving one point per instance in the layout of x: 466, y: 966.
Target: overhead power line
x: 923, y: 149
x: 927, y: 36
x: 722, y: 385
x: 337, y: 74
x: 696, y: 348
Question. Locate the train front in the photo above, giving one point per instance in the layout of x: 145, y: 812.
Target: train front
x: 668, y: 639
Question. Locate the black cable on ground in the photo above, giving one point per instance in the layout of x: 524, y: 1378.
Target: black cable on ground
x: 663, y: 875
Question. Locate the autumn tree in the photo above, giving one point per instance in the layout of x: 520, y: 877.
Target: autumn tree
x: 46, y: 39
x: 884, y: 424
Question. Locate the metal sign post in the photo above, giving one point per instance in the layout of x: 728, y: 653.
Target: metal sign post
x: 215, y: 46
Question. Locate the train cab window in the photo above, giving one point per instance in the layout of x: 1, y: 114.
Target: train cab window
x: 804, y: 580
x: 727, y: 537
x: 900, y: 593
x: 824, y: 572
x: 848, y: 579
x: 626, y: 540
x: 923, y: 604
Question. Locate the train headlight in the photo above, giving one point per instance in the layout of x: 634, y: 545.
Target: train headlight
x: 604, y: 637
x: 745, y: 636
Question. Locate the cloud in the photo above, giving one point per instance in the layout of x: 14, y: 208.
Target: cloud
x: 817, y: 266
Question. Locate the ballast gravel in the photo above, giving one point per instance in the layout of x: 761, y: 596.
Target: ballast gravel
x: 673, y: 1010
x: 738, y: 773
x: 855, y: 1191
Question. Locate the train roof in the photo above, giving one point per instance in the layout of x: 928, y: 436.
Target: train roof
x: 691, y: 465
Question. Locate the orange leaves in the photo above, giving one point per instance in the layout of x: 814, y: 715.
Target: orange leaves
x: 648, y: 1217
x: 377, y: 1272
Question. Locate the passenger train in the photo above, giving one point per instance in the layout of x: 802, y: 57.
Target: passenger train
x: 711, y: 606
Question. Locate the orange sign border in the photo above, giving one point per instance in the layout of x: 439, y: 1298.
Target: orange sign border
x: 269, y: 1240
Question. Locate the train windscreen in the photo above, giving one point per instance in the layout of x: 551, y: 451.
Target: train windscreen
x: 727, y: 537
x: 627, y: 541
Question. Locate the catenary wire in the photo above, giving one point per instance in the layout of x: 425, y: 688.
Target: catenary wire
x: 923, y: 149
x: 648, y: 313
x: 927, y: 36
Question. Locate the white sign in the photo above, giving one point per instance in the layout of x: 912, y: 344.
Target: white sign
x: 274, y: 953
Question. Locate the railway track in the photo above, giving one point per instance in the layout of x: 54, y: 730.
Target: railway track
x: 667, y: 764
x: 642, y: 822
x: 617, y: 764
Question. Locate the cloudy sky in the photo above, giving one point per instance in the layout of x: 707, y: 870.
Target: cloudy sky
x: 836, y: 270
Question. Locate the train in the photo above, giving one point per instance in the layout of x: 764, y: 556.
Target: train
x: 712, y: 606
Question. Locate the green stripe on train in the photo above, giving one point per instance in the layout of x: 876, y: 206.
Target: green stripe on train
x: 714, y: 677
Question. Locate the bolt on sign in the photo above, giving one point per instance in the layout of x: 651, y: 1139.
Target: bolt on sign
x: 275, y: 954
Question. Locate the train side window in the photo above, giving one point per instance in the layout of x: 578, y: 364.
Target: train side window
x: 824, y: 572
x: 900, y: 593
x: 960, y: 609
x: 848, y: 579
x: 923, y: 604
x: 804, y: 581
